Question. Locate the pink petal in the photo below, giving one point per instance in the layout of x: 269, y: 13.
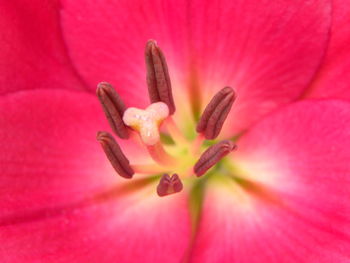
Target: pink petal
x: 32, y: 53
x: 294, y: 203
x: 267, y: 50
x: 332, y: 81
x: 107, y: 41
x: 138, y: 228
x: 60, y: 199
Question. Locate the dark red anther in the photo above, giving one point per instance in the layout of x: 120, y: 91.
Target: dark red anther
x: 115, y: 155
x: 215, y: 114
x: 169, y: 185
x: 114, y: 108
x: 212, y: 156
x: 158, y: 80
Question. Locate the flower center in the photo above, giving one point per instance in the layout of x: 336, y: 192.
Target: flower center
x: 147, y: 121
x: 172, y: 152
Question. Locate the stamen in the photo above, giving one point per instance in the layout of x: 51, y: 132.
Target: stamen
x: 212, y: 156
x: 175, y: 132
x: 147, y: 168
x: 215, y: 113
x: 113, y: 107
x: 158, y: 80
x: 197, y: 143
x: 147, y: 121
x: 160, y: 156
x: 169, y: 185
x: 115, y: 155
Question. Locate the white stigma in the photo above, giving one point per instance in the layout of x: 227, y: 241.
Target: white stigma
x: 147, y: 121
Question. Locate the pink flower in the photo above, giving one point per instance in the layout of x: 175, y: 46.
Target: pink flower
x: 283, y: 196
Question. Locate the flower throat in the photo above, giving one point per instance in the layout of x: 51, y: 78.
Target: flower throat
x: 145, y: 125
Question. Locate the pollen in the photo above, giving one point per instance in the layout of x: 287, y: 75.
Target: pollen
x: 148, y: 121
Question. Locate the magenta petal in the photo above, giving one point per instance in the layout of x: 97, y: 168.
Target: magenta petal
x: 107, y: 41
x: 50, y: 155
x: 32, y: 53
x: 138, y: 228
x: 60, y: 199
x: 333, y: 81
x: 293, y: 203
x: 267, y: 50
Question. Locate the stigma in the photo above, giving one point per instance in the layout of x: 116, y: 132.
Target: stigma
x: 148, y: 121
x: 148, y: 125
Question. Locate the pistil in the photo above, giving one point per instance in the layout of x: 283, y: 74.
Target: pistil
x: 147, y: 122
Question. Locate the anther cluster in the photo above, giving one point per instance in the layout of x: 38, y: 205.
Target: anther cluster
x: 126, y: 121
